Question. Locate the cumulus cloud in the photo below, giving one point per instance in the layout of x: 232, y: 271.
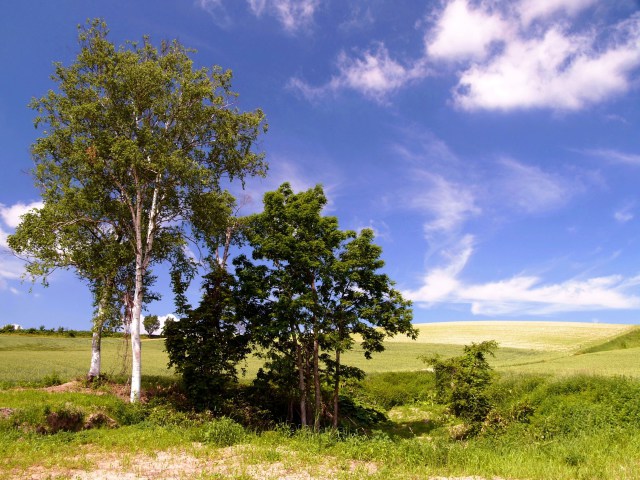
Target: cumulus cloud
x: 531, y: 54
x: 373, y: 73
x: 11, y: 214
x: 557, y: 70
x: 464, y: 32
x: 11, y: 268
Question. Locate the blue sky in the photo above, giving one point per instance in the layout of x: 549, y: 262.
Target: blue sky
x: 492, y: 145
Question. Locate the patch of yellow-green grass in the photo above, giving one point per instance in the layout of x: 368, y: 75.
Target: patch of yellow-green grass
x: 33, y: 358
x: 628, y: 339
x: 625, y: 362
x: 554, y: 336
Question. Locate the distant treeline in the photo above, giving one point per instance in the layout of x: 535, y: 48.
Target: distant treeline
x: 57, y: 332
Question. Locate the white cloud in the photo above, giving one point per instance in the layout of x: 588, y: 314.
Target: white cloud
x: 374, y: 74
x: 11, y: 268
x: 439, y: 284
x: 531, y: 10
x: 294, y: 15
x: 533, y: 54
x: 557, y: 70
x: 448, y: 204
x: 162, y: 319
x: 530, y: 189
x: 522, y: 294
x: 624, y: 214
x: 11, y: 214
x: 464, y: 32
x: 528, y: 295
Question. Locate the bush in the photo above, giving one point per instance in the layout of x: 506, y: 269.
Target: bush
x: 223, y: 432
x: 462, y: 382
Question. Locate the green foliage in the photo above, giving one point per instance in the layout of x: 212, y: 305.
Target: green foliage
x: 462, y: 382
x: 223, y: 432
x: 314, y: 288
x: 208, y: 343
x: 391, y: 389
x: 133, y: 136
x: 151, y: 324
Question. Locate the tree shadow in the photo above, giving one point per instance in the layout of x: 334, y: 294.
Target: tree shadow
x: 411, y: 429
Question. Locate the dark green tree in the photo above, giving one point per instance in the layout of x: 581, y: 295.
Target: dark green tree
x: 146, y: 133
x: 313, y: 287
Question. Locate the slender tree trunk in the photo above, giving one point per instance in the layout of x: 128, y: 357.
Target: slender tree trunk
x: 336, y: 391
x: 316, y: 360
x: 301, y: 385
x: 96, y: 337
x: 136, y: 353
x: 316, y: 381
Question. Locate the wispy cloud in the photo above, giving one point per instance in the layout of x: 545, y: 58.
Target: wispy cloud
x: 373, y: 73
x: 522, y: 294
x: 531, y: 10
x: 625, y: 213
x: 294, y: 15
x: 615, y: 156
x: 447, y: 204
x: 530, y: 189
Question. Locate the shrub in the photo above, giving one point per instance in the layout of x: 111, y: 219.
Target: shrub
x: 223, y: 432
x: 462, y: 382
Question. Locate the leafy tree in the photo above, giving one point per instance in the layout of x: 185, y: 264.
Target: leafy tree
x: 151, y: 324
x: 209, y: 341
x: 146, y: 133
x: 313, y: 288
x: 461, y: 382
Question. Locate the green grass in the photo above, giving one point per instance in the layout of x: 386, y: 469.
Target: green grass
x: 583, y: 419
x: 525, y: 347
x: 33, y: 359
x: 628, y: 339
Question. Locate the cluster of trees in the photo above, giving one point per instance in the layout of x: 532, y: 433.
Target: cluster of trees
x: 137, y: 151
x: 301, y: 300
x: 136, y: 142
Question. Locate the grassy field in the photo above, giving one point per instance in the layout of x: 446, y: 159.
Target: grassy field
x: 525, y: 347
x: 567, y: 406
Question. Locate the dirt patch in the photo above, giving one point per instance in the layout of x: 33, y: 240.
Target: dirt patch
x: 229, y: 462
x: 6, y: 412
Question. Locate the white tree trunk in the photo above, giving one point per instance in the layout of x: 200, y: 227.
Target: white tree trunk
x: 96, y: 339
x: 136, y: 353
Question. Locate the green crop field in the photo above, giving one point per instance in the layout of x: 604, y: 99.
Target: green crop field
x: 525, y: 347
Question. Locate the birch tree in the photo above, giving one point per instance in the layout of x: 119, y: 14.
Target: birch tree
x: 149, y: 133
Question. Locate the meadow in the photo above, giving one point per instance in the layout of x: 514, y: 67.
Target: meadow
x: 566, y: 405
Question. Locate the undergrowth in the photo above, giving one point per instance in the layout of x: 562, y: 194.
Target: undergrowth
x: 581, y: 427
